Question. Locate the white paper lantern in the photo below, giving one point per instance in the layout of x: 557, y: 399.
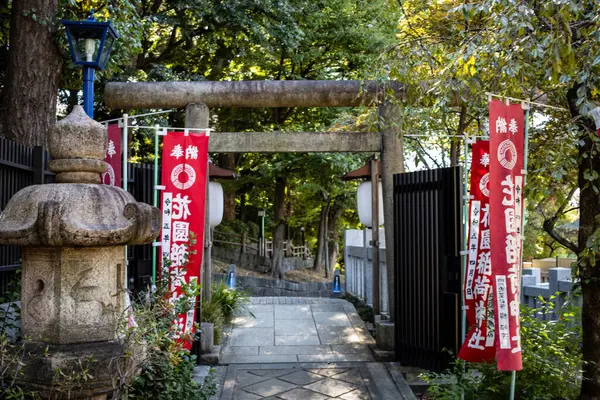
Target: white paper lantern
x: 364, y: 203
x: 215, y: 203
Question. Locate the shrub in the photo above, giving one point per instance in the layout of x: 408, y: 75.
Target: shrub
x: 213, y: 313
x: 229, y: 300
x: 167, y: 368
x: 551, y: 364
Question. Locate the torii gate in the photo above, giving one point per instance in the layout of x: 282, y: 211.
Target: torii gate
x: 198, y: 97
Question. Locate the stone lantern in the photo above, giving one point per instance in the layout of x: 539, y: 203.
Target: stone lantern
x: 73, y: 235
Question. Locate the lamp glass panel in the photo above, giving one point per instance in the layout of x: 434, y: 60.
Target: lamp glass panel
x: 108, y: 43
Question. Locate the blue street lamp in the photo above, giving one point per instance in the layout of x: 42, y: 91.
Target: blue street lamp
x: 90, y: 42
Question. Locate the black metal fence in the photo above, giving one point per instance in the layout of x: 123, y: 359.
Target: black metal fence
x: 22, y: 166
x: 140, y: 183
x: 428, y: 240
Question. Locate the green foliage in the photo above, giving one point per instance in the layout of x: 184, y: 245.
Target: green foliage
x: 12, y: 297
x: 552, y: 364
x: 212, y: 312
x: 11, y: 369
x: 222, y: 307
x: 230, y: 300
x: 166, y: 369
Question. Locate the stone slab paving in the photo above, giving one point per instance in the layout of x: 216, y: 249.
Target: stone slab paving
x: 290, y: 329
x: 312, y: 381
x: 286, y: 348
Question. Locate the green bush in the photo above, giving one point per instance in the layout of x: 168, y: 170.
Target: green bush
x: 223, y: 305
x: 213, y: 313
x: 551, y: 364
x: 167, y: 367
x: 164, y: 367
x: 229, y: 300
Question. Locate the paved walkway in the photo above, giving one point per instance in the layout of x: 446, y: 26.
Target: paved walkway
x: 304, y: 349
x: 326, y: 330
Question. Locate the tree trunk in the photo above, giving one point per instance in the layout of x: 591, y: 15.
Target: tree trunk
x: 321, y: 237
x: 243, y: 207
x: 228, y: 161
x: 589, y: 203
x: 590, y: 280
x: 453, y: 152
x: 34, y: 71
x: 335, y: 213
x: 455, y: 142
x: 279, y: 232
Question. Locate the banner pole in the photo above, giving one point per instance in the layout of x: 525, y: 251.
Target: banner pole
x: 124, y: 137
x: 155, y: 199
x: 465, y: 239
x: 526, y: 107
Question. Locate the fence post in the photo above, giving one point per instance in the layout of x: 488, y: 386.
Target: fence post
x: 38, y: 158
x: 243, y: 242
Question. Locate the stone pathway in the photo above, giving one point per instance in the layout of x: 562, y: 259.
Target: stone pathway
x: 326, y: 330
x: 304, y: 349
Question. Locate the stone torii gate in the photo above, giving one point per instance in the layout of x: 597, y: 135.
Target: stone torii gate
x: 198, y: 97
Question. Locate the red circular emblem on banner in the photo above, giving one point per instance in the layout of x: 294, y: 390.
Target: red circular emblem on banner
x: 507, y: 147
x: 483, y: 185
x: 190, y: 173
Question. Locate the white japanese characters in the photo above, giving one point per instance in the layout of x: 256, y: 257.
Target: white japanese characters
x: 110, y: 149
x: 191, y: 152
x: 184, y: 161
x: 507, y: 279
x: 478, y: 282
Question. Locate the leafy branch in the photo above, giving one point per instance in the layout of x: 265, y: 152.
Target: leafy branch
x: 549, y: 223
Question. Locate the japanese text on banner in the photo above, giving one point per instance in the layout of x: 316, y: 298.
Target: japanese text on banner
x: 479, y: 342
x: 184, y: 163
x: 112, y: 176
x: 507, y: 125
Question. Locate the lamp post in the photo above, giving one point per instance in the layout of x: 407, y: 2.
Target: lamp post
x: 303, y: 244
x: 90, y: 43
x: 261, y: 214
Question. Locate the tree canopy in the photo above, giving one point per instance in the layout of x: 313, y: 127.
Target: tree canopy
x: 448, y: 53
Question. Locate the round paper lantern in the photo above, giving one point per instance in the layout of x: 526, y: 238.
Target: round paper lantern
x: 215, y: 203
x: 364, y: 203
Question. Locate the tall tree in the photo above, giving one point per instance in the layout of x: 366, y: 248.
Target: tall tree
x: 544, y: 50
x: 279, y: 232
x: 33, y: 73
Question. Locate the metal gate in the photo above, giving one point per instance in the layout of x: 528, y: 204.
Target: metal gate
x: 428, y: 241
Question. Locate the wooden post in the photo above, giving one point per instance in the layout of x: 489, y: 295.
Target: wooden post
x: 243, y: 242
x: 375, y: 236
x: 392, y: 162
x: 197, y: 116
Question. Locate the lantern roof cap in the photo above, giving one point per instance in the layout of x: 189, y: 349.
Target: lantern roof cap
x: 91, y: 23
x: 220, y: 173
x: 362, y: 172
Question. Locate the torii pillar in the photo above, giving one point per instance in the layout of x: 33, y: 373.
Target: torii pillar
x: 198, y: 97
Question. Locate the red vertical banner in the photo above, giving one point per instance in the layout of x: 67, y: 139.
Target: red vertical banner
x: 184, y: 163
x: 112, y: 176
x: 479, y: 342
x: 507, y: 125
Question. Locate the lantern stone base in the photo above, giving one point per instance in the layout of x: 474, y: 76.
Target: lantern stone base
x: 72, y: 294
x: 81, y: 371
